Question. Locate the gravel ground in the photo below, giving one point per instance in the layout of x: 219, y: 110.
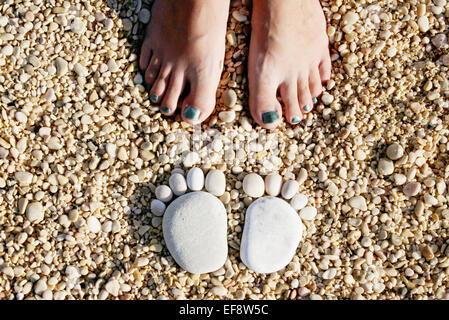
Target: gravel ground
x: 82, y: 150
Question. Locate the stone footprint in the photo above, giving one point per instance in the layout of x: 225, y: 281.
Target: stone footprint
x: 195, y: 224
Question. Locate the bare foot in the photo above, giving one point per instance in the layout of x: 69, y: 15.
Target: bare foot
x: 184, y: 47
x: 289, y: 52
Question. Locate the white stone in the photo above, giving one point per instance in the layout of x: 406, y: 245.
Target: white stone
x: 299, y: 201
x: 35, y: 212
x: 157, y: 207
x: 411, y: 189
x: 195, y: 179
x: 227, y: 116
x: 253, y: 185
x: 23, y: 178
x: 195, y: 232
x: 271, y: 235
x: 113, y: 287
x: 61, y: 65
x: 190, y: 159
x: 423, y: 23
x: 163, y: 193
x: 358, y: 202
x: 40, y: 286
x: 3, y: 21
x: 308, y: 213
x: 215, y: 182
x: 289, y: 189
x: 77, y: 26
x: 219, y: 291
x: 385, y: 167
x: 273, y: 184
x: 178, y: 184
x: 72, y: 272
x: 21, y: 117
x: 93, y: 224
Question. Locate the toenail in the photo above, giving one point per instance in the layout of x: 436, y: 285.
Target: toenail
x: 154, y: 98
x: 269, y: 117
x: 296, y: 120
x: 315, y: 100
x: 191, y: 113
x: 307, y: 108
x: 165, y: 109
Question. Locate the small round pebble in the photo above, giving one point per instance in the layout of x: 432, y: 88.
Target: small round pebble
x: 385, y: 167
x: 299, y: 201
x: 395, y: 151
x: 273, y: 184
x: 358, y: 202
x: 411, y: 189
x: 35, y: 212
x: 163, y: 193
x: 195, y: 179
x: 227, y: 116
x: 253, y: 185
x: 289, y: 189
x: 215, y: 182
x: 308, y: 213
x: 93, y: 224
x: 229, y: 98
x: 178, y: 184
x: 61, y: 65
x: 157, y: 207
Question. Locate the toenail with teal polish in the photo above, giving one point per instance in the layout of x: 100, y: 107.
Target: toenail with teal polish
x: 307, y: 108
x: 165, y: 109
x: 154, y: 98
x: 191, y: 113
x: 296, y: 120
x: 315, y: 100
x: 269, y: 117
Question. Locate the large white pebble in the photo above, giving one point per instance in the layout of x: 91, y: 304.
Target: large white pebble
x: 194, y: 228
x: 253, y: 185
x: 289, y: 189
x: 271, y: 235
x: 215, y: 182
x: 93, y: 224
x: 157, y: 207
x: 299, y: 201
x: 35, y: 212
x: 163, y: 193
x: 178, y: 184
x: 308, y: 213
x: 273, y: 184
x: 195, y: 179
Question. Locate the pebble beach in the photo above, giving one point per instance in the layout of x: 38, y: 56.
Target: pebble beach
x: 83, y: 154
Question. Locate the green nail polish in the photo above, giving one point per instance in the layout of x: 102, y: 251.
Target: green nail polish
x: 296, y: 120
x: 307, y: 108
x: 191, y: 113
x: 165, y: 109
x: 154, y: 98
x: 269, y: 117
x: 315, y: 100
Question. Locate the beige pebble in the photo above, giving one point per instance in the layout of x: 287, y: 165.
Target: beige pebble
x: 35, y: 212
x: 412, y: 189
x: 385, y: 167
x: 229, y: 98
x: 395, y: 151
x: 61, y: 65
